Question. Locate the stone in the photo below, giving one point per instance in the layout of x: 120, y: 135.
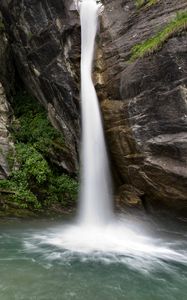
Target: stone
x: 6, y: 114
x: 129, y: 198
x: 6, y: 141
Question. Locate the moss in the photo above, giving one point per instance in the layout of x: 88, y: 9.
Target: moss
x: 177, y: 25
x: 145, y: 3
x: 36, y: 183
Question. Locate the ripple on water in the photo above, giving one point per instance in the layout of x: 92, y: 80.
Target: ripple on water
x: 120, y: 243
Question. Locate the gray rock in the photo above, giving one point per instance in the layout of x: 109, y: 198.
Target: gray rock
x: 45, y: 39
x: 147, y: 126
x: 6, y: 62
x: 6, y: 142
x: 6, y: 87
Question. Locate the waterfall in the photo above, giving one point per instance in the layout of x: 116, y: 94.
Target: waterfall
x: 98, y: 236
x: 95, y: 194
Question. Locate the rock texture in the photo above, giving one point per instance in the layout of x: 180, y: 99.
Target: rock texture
x: 144, y: 103
x: 6, y: 142
x: 6, y: 62
x: 45, y: 37
x: 6, y: 77
x: 146, y: 111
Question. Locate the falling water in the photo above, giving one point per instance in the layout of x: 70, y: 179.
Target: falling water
x: 95, y: 195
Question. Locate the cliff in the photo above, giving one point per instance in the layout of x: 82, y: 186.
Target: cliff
x: 6, y: 115
x: 145, y: 55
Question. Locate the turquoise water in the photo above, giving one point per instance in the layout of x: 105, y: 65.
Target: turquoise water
x: 31, y: 269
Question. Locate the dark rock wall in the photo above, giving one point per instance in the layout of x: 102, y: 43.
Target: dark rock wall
x: 144, y: 102
x: 146, y: 110
x: 45, y: 38
x: 6, y: 88
x: 6, y: 61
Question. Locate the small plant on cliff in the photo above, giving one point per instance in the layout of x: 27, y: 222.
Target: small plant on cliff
x: 178, y: 24
x: 147, y: 3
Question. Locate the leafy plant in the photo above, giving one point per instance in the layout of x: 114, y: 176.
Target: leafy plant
x: 36, y: 183
x: 32, y: 125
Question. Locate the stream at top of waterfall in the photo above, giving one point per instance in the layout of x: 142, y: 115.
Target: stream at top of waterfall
x: 137, y: 258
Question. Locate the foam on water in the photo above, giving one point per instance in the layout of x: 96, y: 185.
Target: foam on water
x: 120, y: 242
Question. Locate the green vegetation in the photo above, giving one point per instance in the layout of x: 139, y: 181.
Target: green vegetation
x: 35, y: 183
x: 32, y: 125
x: 177, y: 25
x: 147, y: 3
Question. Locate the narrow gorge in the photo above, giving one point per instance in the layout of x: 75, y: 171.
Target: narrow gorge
x: 140, y: 77
x: 93, y: 149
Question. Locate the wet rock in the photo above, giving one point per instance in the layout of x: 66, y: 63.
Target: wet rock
x: 129, y: 198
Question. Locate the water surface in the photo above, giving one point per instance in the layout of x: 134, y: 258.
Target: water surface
x: 37, y: 261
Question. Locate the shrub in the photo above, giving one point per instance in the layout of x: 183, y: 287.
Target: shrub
x: 36, y: 183
x: 32, y: 125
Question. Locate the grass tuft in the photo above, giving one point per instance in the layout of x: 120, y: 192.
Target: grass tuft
x: 145, y: 3
x: 177, y: 25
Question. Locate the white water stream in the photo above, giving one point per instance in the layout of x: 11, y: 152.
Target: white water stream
x: 95, y: 196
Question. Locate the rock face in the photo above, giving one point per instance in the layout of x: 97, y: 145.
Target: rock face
x: 146, y: 111
x: 6, y: 81
x: 45, y: 38
x: 6, y: 142
x: 6, y: 62
x: 144, y: 102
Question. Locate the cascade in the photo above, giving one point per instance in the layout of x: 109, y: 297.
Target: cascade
x: 95, y: 194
